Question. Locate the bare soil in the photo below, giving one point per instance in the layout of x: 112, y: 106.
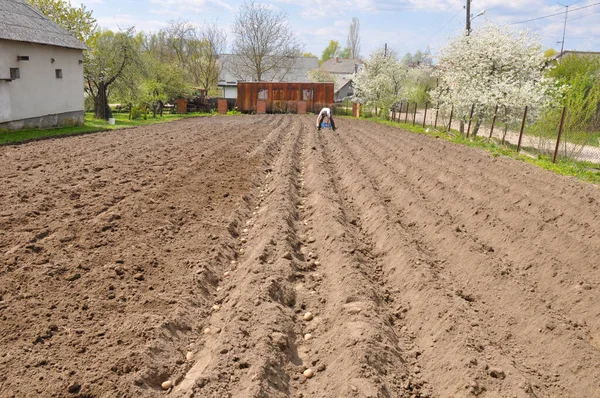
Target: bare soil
x: 191, y: 252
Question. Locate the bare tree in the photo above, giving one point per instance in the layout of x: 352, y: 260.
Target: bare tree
x: 178, y: 34
x: 210, y: 42
x: 263, y: 44
x: 354, y: 39
x: 195, y: 49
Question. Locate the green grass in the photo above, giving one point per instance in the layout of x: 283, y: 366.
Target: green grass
x: 584, y: 171
x: 90, y: 125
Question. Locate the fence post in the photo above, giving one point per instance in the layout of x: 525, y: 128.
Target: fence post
x: 470, y: 118
x: 406, y: 116
x: 437, y: 111
x: 425, y: 115
x: 493, y: 122
x: 560, y: 129
x: 415, y: 113
x: 451, y: 114
x: 522, y: 128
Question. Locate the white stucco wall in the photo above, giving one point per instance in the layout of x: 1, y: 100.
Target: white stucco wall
x: 229, y: 91
x: 38, y: 92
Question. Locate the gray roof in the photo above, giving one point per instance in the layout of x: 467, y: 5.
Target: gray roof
x: 574, y: 52
x: 341, y: 65
x: 340, y: 84
x: 21, y: 22
x: 231, y: 73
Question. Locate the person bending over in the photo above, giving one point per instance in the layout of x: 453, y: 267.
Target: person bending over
x: 325, y: 114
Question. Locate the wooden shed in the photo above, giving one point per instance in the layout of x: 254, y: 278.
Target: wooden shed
x: 283, y: 97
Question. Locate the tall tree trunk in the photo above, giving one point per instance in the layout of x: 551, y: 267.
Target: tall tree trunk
x: 101, y: 108
x: 479, y: 119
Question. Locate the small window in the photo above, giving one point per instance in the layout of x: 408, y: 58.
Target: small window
x: 14, y: 73
x: 263, y: 94
x: 59, y: 73
x: 307, y: 95
x: 22, y: 57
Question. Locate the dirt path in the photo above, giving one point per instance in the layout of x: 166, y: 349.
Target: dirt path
x: 254, y: 257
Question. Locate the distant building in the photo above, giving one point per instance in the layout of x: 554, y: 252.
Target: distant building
x: 41, y: 70
x: 576, y: 53
x: 232, y: 71
x: 342, y: 71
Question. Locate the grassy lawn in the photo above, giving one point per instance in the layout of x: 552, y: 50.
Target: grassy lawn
x: 90, y: 125
x: 585, y: 171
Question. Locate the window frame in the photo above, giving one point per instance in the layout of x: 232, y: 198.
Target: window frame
x: 15, y: 73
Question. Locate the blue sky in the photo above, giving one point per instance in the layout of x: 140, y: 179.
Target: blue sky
x: 406, y: 25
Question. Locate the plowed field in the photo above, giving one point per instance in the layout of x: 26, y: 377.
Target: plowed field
x: 253, y: 256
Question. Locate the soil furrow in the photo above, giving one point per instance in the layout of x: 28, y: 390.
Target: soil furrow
x: 572, y: 337
x: 547, y: 261
x: 125, y: 236
x: 477, y: 185
x: 251, y: 256
x: 344, y: 290
x: 252, y: 358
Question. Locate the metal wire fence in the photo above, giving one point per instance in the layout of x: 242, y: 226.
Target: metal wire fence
x: 557, y: 133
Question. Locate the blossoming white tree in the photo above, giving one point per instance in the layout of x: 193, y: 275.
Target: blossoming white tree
x: 492, y: 66
x: 380, y: 82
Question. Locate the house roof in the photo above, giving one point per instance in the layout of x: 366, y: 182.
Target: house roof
x: 341, y: 66
x: 21, y: 22
x: 231, y: 74
x: 340, y: 84
x: 572, y: 52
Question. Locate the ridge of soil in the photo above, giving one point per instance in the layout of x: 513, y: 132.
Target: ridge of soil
x: 253, y: 256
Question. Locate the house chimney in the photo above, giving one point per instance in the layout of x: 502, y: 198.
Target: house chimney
x: 337, y: 60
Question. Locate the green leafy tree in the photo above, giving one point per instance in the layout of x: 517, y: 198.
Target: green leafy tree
x: 345, y: 53
x: 419, y: 58
x: 331, y: 51
x: 108, y: 63
x: 76, y: 20
x: 162, y: 83
x: 408, y: 59
x: 418, y: 83
x: 580, y: 77
x: 550, y: 53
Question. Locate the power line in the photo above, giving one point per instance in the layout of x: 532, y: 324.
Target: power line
x: 570, y: 19
x: 553, y: 15
x: 447, y: 23
x: 583, y: 16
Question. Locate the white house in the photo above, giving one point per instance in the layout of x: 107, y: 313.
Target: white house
x: 231, y: 71
x: 41, y: 70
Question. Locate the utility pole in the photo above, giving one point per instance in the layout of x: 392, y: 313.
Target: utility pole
x: 562, y: 43
x: 468, y: 7
x: 385, y: 51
